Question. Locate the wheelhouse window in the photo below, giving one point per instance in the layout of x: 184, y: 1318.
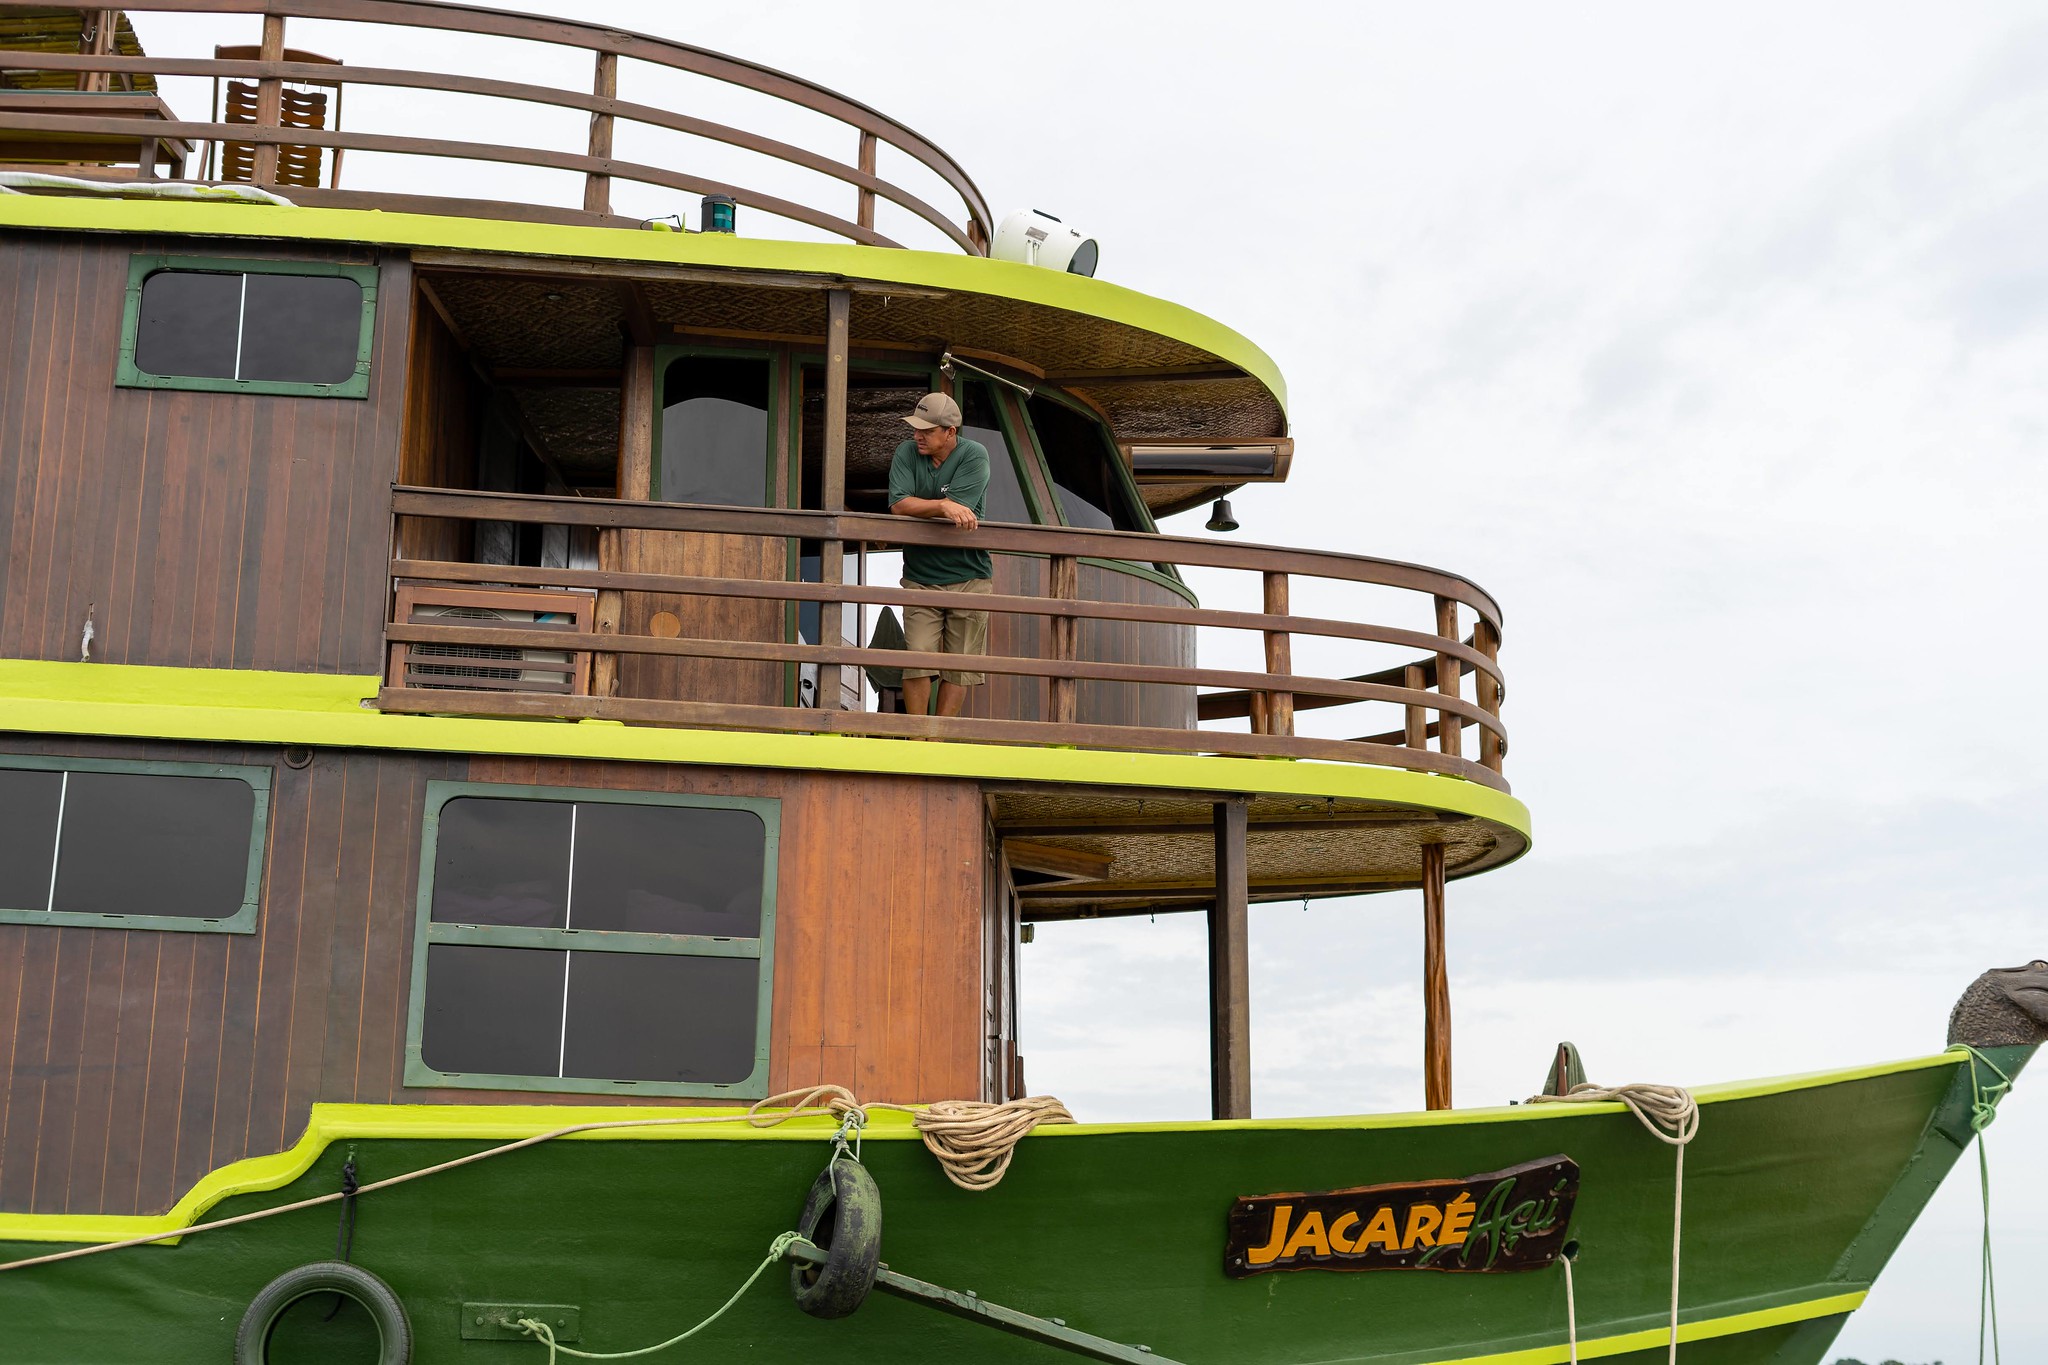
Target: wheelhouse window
x: 1087, y: 472
x: 593, y: 941
x: 714, y: 430
x: 980, y: 421
x: 280, y: 327
x: 142, y: 845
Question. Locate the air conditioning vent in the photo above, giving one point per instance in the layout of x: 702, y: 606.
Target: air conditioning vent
x: 470, y: 666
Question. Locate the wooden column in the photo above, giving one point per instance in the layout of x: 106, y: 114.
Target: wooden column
x: 636, y: 483
x: 1486, y: 640
x: 269, y: 100
x: 1230, y: 1010
x: 832, y: 553
x: 1279, y: 659
x: 597, y: 188
x: 1448, y: 668
x: 1436, y: 984
x: 1066, y: 587
x: 864, y: 213
x: 1417, y: 736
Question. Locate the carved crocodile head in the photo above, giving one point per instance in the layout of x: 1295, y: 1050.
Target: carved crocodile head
x: 2005, y: 1006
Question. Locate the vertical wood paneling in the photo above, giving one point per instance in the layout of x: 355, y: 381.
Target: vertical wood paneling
x: 188, y: 520
x: 710, y: 618
x: 135, y: 1061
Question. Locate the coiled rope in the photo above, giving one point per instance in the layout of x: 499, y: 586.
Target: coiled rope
x: 1984, y: 1097
x: 1673, y: 1118
x: 973, y: 1142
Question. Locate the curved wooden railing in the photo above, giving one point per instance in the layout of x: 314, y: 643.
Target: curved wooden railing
x: 968, y: 227
x: 1424, y: 695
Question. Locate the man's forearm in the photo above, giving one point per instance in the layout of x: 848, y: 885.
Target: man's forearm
x: 929, y: 508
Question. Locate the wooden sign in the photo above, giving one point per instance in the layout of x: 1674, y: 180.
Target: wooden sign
x: 1503, y: 1220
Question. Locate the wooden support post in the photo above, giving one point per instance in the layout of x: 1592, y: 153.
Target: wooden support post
x: 1436, y: 985
x: 1230, y: 1012
x: 597, y: 187
x: 1066, y: 587
x: 269, y: 100
x: 636, y: 484
x: 865, y: 210
x: 832, y: 554
x: 1417, y: 736
x: 1279, y: 659
x: 1448, y: 668
x: 1487, y: 641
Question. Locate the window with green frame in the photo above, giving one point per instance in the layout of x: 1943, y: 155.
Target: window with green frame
x: 118, y: 844
x: 301, y: 328
x: 593, y: 941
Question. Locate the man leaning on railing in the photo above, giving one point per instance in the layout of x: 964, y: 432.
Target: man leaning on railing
x: 940, y: 475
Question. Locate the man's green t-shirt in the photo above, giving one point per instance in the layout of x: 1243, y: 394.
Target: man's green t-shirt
x: 961, y: 476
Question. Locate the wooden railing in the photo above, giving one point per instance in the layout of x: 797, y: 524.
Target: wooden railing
x: 1424, y: 696
x: 866, y: 129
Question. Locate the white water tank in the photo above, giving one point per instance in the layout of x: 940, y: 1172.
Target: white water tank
x: 1030, y: 237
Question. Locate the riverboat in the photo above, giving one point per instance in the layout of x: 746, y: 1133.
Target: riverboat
x: 469, y: 883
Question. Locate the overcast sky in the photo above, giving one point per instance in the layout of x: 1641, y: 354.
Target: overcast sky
x: 1712, y: 342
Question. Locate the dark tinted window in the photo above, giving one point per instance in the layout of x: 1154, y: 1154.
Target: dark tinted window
x: 1078, y: 455
x: 1005, y: 500
x: 150, y: 844
x: 714, y: 431
x: 503, y: 862
x: 28, y: 836
x: 668, y: 870
x: 638, y: 1017
x: 299, y: 329
x: 523, y: 995
x: 189, y: 324
x: 493, y: 1010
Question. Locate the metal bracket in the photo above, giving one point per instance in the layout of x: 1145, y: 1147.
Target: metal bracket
x: 969, y: 1305
x: 500, y: 1321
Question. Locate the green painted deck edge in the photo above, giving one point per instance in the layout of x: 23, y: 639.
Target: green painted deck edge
x: 243, y: 706
x: 926, y: 269
x: 331, y: 1123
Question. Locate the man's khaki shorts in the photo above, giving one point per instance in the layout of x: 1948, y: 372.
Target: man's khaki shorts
x: 947, y: 630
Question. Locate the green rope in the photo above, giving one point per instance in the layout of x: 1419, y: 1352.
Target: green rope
x: 540, y: 1331
x: 1983, y: 1109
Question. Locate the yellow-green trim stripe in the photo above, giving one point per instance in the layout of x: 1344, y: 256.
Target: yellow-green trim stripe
x: 332, y: 1123
x: 925, y: 269
x: 243, y: 706
x: 1592, y: 1348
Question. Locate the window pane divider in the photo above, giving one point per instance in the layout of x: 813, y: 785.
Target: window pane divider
x: 591, y: 940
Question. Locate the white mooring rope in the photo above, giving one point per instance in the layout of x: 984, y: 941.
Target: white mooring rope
x: 1672, y: 1117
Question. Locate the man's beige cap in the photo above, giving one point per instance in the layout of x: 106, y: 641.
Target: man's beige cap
x: 934, y: 410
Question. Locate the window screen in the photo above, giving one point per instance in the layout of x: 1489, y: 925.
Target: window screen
x: 249, y: 328
x: 168, y: 845
x: 1078, y: 456
x: 1005, y: 498
x: 578, y: 940
x: 714, y: 431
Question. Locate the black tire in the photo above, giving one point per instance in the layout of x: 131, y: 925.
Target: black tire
x: 842, y: 1217
x: 394, y: 1329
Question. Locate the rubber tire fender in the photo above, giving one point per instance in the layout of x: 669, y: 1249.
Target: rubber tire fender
x: 394, y: 1328
x: 843, y: 1217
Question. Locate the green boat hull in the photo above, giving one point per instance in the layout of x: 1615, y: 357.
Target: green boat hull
x: 1796, y: 1194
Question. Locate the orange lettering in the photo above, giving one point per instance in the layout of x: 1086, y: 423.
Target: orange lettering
x: 1340, y: 1237
x: 1457, y: 1221
x: 1379, y: 1232
x: 1308, y: 1236
x: 1423, y: 1221
x: 1270, y: 1252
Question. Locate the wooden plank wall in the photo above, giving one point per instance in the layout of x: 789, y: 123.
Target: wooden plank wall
x: 440, y: 435
x: 133, y: 1061
x: 203, y: 529
x: 701, y: 618
x: 1096, y: 703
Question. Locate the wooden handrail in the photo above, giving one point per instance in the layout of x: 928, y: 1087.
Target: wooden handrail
x: 1427, y: 683
x: 608, y: 44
